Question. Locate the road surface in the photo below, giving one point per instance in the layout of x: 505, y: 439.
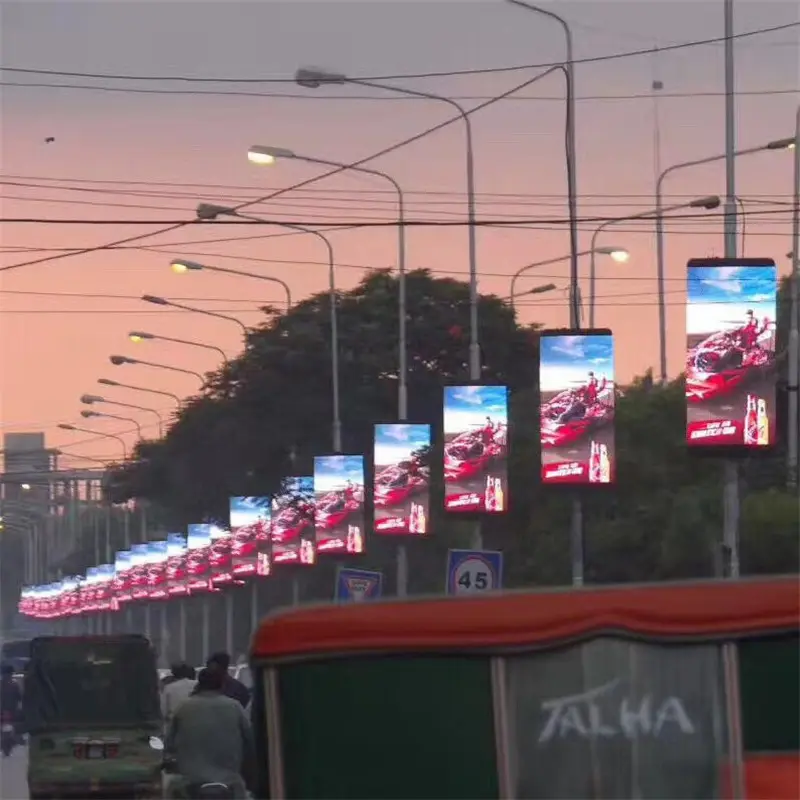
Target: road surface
x: 579, y: 451
x: 13, y: 775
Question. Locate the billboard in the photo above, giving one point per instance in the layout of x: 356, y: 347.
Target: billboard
x: 249, y: 520
x: 123, y: 564
x: 140, y: 556
x: 198, y: 545
x: 476, y: 449
x: 176, y: 565
x: 104, y: 588
x: 731, y: 309
x: 577, y: 398
x: 69, y: 601
x: 219, y: 556
x: 157, y: 570
x: 401, y: 491
x: 339, y: 504
x: 293, y: 539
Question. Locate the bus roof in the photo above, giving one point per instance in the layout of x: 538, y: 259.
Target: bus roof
x: 512, y: 620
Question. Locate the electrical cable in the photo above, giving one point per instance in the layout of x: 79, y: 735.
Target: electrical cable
x: 412, y: 76
x: 381, y: 98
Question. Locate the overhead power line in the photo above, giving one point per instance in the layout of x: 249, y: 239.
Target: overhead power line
x: 410, y: 76
x: 312, y: 96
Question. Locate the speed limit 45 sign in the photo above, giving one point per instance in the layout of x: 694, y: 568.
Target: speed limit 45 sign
x: 471, y: 571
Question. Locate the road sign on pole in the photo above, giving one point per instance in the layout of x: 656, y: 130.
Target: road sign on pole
x: 357, y: 585
x: 474, y: 571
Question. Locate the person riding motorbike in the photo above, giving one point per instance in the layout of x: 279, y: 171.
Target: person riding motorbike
x: 178, y: 691
x: 211, y: 741
x: 748, y: 334
x: 231, y: 687
x: 592, y: 389
x: 10, y: 698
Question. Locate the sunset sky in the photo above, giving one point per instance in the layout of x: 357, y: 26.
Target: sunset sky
x: 153, y: 154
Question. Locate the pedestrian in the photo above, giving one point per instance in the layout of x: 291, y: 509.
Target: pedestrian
x: 177, y: 691
x: 231, y: 687
x: 211, y: 740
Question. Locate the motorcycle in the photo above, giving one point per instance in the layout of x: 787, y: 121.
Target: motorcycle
x: 200, y: 791
x: 8, y: 733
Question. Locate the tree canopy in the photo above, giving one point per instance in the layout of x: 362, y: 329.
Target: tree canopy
x: 267, y: 413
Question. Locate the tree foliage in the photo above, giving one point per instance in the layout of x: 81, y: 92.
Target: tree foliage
x: 269, y: 412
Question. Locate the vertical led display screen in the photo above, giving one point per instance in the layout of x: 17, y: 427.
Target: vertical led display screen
x: 339, y: 504
x: 70, y: 586
x: 401, y: 492
x: 293, y: 540
x: 249, y: 519
x: 104, y: 593
x: 219, y: 557
x: 176, y: 565
x: 157, y: 570
x: 123, y: 564
x: 577, y: 407
x: 476, y: 449
x: 140, y: 555
x: 198, y: 545
x: 730, y: 353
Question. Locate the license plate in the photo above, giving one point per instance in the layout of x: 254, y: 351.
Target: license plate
x: 96, y: 751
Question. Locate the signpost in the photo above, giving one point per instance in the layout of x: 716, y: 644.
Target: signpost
x: 358, y: 585
x: 474, y: 571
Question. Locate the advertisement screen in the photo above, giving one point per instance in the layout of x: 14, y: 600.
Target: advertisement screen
x: 69, y: 601
x: 577, y: 407
x: 123, y: 564
x: 157, y: 570
x: 104, y: 593
x: 339, y: 504
x: 140, y: 555
x: 198, y: 547
x: 730, y: 353
x: 249, y: 520
x: 176, y: 565
x: 401, y: 493
x: 90, y: 590
x: 476, y: 449
x: 293, y: 540
x: 219, y: 556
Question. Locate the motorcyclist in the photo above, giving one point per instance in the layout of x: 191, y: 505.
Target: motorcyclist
x: 592, y: 389
x: 178, y: 690
x: 576, y: 406
x: 231, y: 687
x: 211, y: 740
x: 748, y: 334
x: 10, y: 694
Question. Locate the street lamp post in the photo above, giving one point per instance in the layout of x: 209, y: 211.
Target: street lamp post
x: 618, y: 254
x: 180, y: 266
x: 208, y: 211
x: 259, y: 154
x: 572, y: 168
x: 91, y: 399
x: 314, y: 78
x: 709, y: 203
x: 780, y: 144
x: 142, y: 336
x: 162, y: 301
x: 86, y: 414
x: 118, y: 361
x: 67, y: 427
x: 117, y: 384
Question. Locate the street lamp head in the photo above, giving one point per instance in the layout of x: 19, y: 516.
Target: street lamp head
x: 264, y: 156
x: 180, y: 265
x: 709, y: 203
x: 158, y: 301
x: 66, y: 427
x: 107, y: 382
x: 88, y: 399
x: 25, y: 487
x: 618, y: 254
x: 87, y: 414
x: 119, y: 360
x: 138, y: 336
x: 547, y: 287
x: 782, y: 144
x: 314, y: 77
x: 209, y: 211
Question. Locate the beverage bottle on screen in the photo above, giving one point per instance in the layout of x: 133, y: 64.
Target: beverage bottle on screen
x: 763, y: 423
x: 751, y: 421
x: 488, y: 495
x: 419, y: 519
x: 499, y: 496
x: 594, y: 463
x: 354, y: 542
x: 413, y: 519
x: 605, y: 465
